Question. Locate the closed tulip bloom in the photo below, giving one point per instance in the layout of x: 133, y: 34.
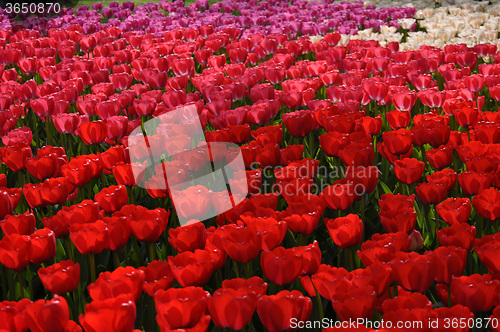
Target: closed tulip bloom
x: 431, y: 193
x: 281, y: 266
x: 477, y: 292
x: 89, y: 238
x: 188, y: 237
x: 242, y: 244
x: 354, y: 303
x: 398, y: 119
x: 345, y: 231
x: 409, y: 170
x: 357, y: 154
x: 15, y: 251
x: 472, y: 183
x: 147, y: 225
x: 451, y: 262
x: 271, y: 230
x: 487, y: 249
x: 299, y: 123
x: 51, y: 315
x: 192, y: 268
x: 413, y: 271
x: 339, y: 196
x: 158, y: 276
x: 398, y: 142
x: 116, y: 314
x: 444, y: 315
x: 460, y: 235
x: 440, y: 157
x: 93, y: 132
x: 5, y: 204
x: 61, y: 277
x: 112, y: 198
x: 13, y: 313
x: 454, y: 210
x: 310, y: 256
x: 231, y: 308
x: 43, y: 245
x: 487, y: 203
x: 23, y: 224
x: 123, y: 280
x: 181, y: 308
x: 277, y: 311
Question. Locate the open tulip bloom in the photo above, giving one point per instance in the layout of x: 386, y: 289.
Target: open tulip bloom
x: 249, y: 165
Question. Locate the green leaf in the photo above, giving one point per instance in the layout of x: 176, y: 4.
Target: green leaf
x: 385, y: 188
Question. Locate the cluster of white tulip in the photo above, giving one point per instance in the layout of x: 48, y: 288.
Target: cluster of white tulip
x: 439, y: 23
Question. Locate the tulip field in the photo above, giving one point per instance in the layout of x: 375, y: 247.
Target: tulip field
x: 268, y: 165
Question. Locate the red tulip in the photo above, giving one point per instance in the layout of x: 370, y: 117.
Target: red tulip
x: 487, y: 203
x: 440, y: 157
x: 183, y: 308
x: 354, y: 303
x: 192, y: 268
x: 51, y: 315
x: 188, y: 237
x: 231, y: 308
x: 454, y: 210
x: 281, y: 266
x: 299, y: 123
x: 455, y: 313
x: 277, y: 312
x: 397, y: 142
x: 22, y: 224
x: 487, y: 249
x: 409, y: 170
x: 113, y: 315
x: 357, y: 154
x: 147, y: 225
x: 15, y: 251
x: 112, y: 198
x: 413, y: 271
x: 93, y: 132
x: 431, y: 193
x: 123, y: 280
x: 61, y: 277
x: 339, y: 196
x: 451, y: 263
x: 13, y: 315
x: 90, y: 237
x: 271, y: 230
x: 477, y: 292
x: 157, y: 276
x: 398, y: 119
x: 345, y: 231
x: 43, y: 246
x: 242, y: 244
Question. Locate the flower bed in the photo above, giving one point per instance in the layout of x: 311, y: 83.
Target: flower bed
x: 342, y: 178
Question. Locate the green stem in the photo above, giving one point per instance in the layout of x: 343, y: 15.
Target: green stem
x: 47, y: 131
x: 92, y: 267
x: 235, y: 265
x: 140, y: 259
x: 395, y: 290
x: 69, y: 249
x: 318, y: 301
x: 20, y: 279
x: 152, y: 252
x: 248, y: 270
x: 117, y: 259
x: 10, y: 280
x: 30, y: 282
